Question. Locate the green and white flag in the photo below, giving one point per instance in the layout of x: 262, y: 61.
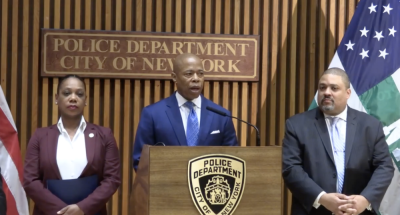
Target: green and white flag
x: 370, y: 55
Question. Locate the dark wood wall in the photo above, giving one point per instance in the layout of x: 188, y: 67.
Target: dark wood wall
x: 298, y: 40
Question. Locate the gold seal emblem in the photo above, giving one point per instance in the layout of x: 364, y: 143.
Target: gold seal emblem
x: 216, y: 183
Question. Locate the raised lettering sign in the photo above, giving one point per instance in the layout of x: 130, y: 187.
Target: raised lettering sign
x: 146, y: 55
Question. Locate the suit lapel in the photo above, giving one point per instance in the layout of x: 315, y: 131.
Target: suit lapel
x: 52, y: 143
x: 91, y: 139
x: 322, y: 129
x: 350, y: 133
x: 175, y: 118
x: 205, y: 121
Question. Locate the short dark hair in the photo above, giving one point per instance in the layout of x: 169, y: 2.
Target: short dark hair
x: 70, y: 76
x: 340, y: 72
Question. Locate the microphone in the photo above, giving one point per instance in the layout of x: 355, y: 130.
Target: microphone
x: 159, y: 144
x: 225, y: 114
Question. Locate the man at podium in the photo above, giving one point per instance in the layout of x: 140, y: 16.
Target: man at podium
x: 182, y: 119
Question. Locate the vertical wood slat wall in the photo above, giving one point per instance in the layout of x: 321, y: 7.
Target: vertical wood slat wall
x: 298, y: 39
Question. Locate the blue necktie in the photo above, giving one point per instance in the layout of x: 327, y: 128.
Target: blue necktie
x: 339, y: 151
x: 192, y: 129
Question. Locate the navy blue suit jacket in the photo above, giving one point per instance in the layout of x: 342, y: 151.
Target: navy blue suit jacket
x: 162, y: 122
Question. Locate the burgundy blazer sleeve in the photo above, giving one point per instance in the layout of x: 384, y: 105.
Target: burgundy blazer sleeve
x: 48, y: 203
x: 111, y: 177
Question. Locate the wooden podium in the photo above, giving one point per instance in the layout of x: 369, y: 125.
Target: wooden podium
x: 161, y: 184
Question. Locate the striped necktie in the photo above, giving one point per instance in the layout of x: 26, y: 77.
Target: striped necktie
x: 339, y: 151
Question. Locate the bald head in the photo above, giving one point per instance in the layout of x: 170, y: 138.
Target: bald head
x: 183, y: 59
x: 188, y: 75
x: 339, y: 72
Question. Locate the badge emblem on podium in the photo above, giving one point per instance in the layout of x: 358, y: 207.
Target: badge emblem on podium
x: 216, y: 183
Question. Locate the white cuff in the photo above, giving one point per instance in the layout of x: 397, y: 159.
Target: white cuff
x: 316, y: 202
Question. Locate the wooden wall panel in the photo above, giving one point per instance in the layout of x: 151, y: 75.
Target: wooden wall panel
x: 14, y: 58
x: 24, y: 80
x: 298, y: 39
x: 4, y: 41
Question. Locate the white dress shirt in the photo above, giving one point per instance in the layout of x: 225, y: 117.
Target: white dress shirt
x: 185, y: 111
x: 71, y: 154
x: 341, y: 123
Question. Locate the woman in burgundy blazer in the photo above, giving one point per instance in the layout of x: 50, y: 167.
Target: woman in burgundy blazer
x: 41, y: 162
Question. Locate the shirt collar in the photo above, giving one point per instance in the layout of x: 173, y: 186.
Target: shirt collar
x: 342, y: 115
x: 182, y: 101
x: 82, y: 125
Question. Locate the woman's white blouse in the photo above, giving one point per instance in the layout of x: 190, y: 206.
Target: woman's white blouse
x: 71, y: 154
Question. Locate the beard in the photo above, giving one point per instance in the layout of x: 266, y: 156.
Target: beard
x: 327, y: 107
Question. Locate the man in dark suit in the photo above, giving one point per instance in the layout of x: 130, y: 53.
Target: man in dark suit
x: 182, y: 119
x: 3, y: 202
x: 335, y: 159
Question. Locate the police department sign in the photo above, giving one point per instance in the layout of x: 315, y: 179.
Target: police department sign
x: 216, y: 183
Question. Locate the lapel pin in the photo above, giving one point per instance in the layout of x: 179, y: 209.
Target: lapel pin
x: 91, y: 135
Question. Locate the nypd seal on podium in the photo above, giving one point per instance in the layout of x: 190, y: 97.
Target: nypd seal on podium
x: 216, y: 183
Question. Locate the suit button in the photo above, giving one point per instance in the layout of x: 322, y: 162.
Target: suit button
x: 334, y: 175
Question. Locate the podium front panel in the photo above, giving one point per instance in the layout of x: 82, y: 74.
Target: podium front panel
x: 169, y: 192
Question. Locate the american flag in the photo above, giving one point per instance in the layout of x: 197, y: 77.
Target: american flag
x: 11, y: 162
